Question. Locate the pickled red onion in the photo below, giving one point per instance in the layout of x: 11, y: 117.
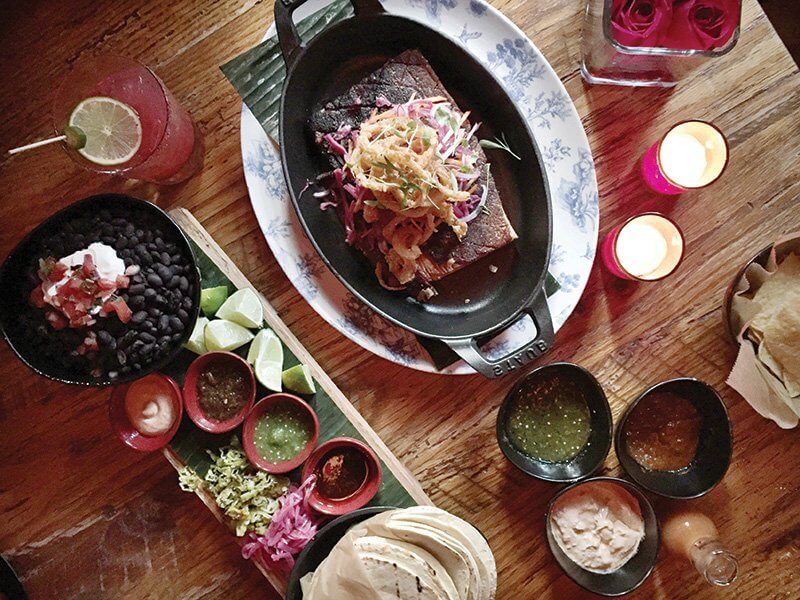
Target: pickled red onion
x: 293, y: 526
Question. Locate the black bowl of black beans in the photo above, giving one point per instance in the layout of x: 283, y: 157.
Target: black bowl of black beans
x: 160, y: 294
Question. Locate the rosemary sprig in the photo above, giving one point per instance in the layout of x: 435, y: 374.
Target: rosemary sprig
x: 499, y: 144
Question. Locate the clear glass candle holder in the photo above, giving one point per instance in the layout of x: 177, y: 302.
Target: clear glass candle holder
x: 605, y: 61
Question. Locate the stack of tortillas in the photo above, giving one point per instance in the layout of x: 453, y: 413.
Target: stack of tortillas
x: 421, y: 552
x: 766, y: 312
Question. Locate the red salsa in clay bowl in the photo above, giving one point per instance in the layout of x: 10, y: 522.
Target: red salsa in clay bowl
x: 280, y: 433
x: 219, y: 391
x: 146, y: 413
x: 348, y: 476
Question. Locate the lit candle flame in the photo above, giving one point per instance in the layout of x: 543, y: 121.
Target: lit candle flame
x: 641, y: 248
x: 683, y: 159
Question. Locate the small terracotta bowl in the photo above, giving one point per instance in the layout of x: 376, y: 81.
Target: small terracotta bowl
x: 192, y: 401
x: 126, y: 432
x: 356, y: 500
x: 266, y: 405
x: 713, y: 452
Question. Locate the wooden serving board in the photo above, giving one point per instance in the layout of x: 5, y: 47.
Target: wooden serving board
x: 336, y: 415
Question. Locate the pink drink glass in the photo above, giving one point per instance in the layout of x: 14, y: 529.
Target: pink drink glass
x: 172, y: 146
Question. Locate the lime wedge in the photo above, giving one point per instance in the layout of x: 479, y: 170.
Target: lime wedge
x: 266, y: 346
x: 212, y: 298
x: 112, y: 128
x: 197, y: 341
x: 298, y: 379
x: 266, y: 356
x: 244, y: 308
x: 225, y: 335
x: 268, y: 373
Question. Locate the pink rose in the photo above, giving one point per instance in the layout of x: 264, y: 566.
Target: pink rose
x: 640, y: 22
x: 702, y: 24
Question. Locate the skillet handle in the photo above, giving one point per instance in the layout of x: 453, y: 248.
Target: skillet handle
x: 468, y: 349
x: 288, y: 36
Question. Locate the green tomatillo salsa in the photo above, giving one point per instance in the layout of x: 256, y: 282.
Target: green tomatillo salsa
x: 282, y: 433
x: 548, y: 419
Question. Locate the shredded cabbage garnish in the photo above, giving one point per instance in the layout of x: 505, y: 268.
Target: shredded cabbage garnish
x: 246, y: 495
x: 407, y: 170
x: 188, y: 479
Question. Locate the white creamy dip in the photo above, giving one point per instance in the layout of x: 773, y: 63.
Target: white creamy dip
x: 599, y: 526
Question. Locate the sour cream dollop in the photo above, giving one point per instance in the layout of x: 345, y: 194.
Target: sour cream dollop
x: 108, y: 264
x: 149, y: 405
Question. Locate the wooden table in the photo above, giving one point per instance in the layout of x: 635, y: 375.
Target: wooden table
x: 84, y: 517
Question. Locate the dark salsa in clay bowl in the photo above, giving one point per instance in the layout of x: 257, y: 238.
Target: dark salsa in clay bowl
x: 103, y: 292
x: 219, y: 391
x: 348, y: 476
x: 280, y: 433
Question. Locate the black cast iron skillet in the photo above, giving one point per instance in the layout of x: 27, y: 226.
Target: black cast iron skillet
x: 474, y: 304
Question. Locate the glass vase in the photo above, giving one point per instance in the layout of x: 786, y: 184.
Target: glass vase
x: 606, y: 61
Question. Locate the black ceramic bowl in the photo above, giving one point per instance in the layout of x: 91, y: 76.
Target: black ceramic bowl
x: 318, y: 549
x: 633, y: 573
x: 713, y: 452
x: 589, y: 459
x: 20, y: 322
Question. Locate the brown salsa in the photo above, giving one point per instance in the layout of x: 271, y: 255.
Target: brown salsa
x: 341, y: 473
x: 663, y: 431
x: 222, y: 391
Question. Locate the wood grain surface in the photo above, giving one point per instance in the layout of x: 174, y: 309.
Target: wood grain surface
x: 84, y: 517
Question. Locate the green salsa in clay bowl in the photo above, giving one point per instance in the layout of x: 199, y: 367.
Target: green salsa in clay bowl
x: 280, y: 433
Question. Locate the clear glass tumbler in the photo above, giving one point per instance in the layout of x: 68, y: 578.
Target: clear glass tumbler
x: 171, y: 148
x: 605, y: 61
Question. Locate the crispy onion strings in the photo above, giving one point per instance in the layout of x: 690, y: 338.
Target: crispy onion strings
x: 399, y: 160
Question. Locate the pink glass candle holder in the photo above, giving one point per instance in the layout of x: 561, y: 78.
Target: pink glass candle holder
x: 690, y: 156
x: 646, y: 247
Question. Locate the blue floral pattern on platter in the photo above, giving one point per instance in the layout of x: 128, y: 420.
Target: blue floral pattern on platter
x: 566, y: 157
x: 579, y: 193
x: 433, y: 8
x: 477, y: 9
x: 518, y: 64
x: 466, y: 35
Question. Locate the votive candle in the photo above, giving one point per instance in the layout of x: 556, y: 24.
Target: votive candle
x: 646, y: 247
x: 691, y: 155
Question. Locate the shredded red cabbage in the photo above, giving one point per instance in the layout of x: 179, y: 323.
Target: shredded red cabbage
x: 335, y: 146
